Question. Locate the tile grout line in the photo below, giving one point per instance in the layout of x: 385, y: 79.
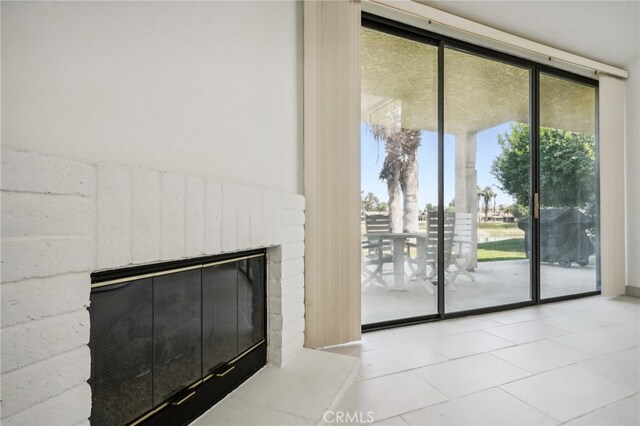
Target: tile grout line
x: 589, y: 355
x: 600, y: 408
x: 480, y: 390
x: 438, y: 362
x: 231, y: 397
x: 499, y: 387
x: 471, y: 394
x: 529, y: 405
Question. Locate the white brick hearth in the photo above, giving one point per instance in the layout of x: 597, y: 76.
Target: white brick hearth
x: 63, y: 219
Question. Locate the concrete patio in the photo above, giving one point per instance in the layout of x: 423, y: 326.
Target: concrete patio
x: 496, y: 283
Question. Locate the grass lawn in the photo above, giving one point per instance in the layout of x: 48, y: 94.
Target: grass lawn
x: 497, y: 225
x: 501, y: 250
x: 510, y: 248
x: 501, y: 230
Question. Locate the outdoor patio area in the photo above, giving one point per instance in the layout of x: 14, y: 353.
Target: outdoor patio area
x: 495, y: 283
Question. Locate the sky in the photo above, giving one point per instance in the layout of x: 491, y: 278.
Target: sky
x: 372, y: 157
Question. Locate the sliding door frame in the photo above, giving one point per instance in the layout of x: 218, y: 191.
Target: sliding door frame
x: 409, y: 32
x: 573, y: 78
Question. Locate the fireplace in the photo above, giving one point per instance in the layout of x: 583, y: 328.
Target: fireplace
x: 169, y: 340
x: 97, y: 217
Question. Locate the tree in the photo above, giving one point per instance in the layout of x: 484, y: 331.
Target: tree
x: 517, y: 210
x: 451, y: 207
x: 486, y: 194
x: 370, y: 202
x: 567, y: 166
x: 400, y: 171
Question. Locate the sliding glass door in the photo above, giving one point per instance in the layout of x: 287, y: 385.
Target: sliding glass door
x: 399, y: 146
x: 479, y: 186
x: 568, y: 188
x: 487, y: 181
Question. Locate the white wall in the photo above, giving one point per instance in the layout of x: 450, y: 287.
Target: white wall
x: 202, y: 88
x: 633, y: 175
x: 135, y: 132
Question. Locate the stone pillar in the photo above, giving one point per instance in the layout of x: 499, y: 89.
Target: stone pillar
x: 466, y: 187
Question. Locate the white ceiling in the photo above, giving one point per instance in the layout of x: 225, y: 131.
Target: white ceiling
x: 607, y: 31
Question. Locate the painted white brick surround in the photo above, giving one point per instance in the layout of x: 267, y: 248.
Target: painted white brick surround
x: 63, y: 219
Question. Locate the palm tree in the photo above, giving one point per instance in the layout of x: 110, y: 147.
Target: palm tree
x: 486, y: 194
x: 400, y: 171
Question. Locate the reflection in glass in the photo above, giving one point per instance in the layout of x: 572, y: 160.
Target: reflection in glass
x: 568, y: 187
x: 177, y: 332
x: 250, y: 302
x: 399, y: 180
x: 121, y: 352
x: 219, y: 314
x: 486, y: 181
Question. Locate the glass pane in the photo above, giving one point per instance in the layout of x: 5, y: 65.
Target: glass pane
x: 177, y: 331
x: 250, y: 302
x: 399, y: 180
x: 121, y: 352
x: 486, y: 182
x: 568, y: 188
x: 219, y: 314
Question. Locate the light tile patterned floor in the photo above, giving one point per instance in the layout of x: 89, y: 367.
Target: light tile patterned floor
x: 574, y: 362
x: 297, y: 394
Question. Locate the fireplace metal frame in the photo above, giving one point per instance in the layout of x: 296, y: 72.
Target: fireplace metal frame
x: 193, y: 400
x: 115, y: 276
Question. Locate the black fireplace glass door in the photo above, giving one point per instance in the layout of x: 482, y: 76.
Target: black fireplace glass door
x: 177, y: 332
x: 250, y: 302
x: 121, y: 352
x: 219, y: 314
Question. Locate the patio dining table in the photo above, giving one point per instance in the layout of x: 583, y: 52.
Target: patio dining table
x: 397, y: 245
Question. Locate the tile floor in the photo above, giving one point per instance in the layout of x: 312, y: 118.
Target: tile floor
x: 574, y: 362
x: 297, y: 394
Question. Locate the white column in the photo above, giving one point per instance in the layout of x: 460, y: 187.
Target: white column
x: 466, y: 187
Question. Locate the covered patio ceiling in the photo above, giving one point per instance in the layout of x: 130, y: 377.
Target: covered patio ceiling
x: 480, y: 93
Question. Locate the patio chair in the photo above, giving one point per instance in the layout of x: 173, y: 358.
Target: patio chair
x: 376, y: 251
x: 427, y: 255
x: 462, y: 241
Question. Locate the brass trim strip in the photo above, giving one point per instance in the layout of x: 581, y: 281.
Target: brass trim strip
x: 243, y: 354
x: 196, y: 384
x: 122, y: 280
x: 184, y: 399
x: 149, y: 414
x: 235, y: 259
x: 226, y: 372
x: 207, y: 378
x: 172, y: 271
